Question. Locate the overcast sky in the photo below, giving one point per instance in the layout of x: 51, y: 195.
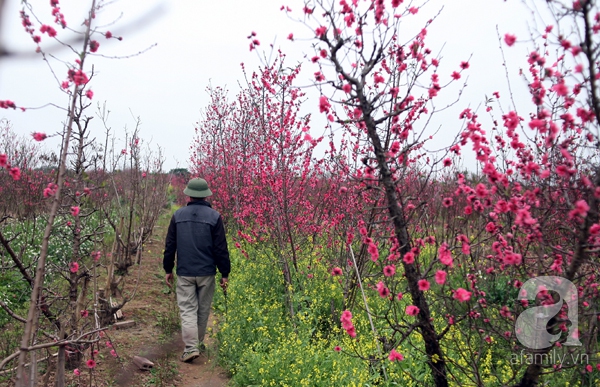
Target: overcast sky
x: 197, y: 42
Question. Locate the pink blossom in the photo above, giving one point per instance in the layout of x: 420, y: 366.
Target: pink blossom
x: 447, y: 202
x: 84, y: 313
x: 581, y: 209
x: 445, y: 255
x: 337, y: 348
x: 50, y: 190
x: 462, y: 295
x: 94, y: 46
x: 560, y: 89
x: 389, y: 270
x: 336, y: 271
x: 412, y: 310
x: 440, y: 277
x: 113, y: 353
x: 3, y: 160
x: 89, y: 94
x: 455, y: 75
x: 15, y: 173
x: 77, y: 372
x: 413, y: 10
x: 373, y: 251
x: 490, y: 227
x: 409, y: 257
x: 347, y: 88
x: 509, y: 39
x: 39, y: 136
x: 324, y: 105
x: 74, y: 267
x: 75, y: 210
x: 91, y: 363
x: 346, y: 320
x: 320, y: 31
x: 290, y: 36
x: 395, y: 356
x: 384, y: 292
x: 7, y: 104
x: 48, y: 29
x: 423, y: 285
x: 78, y: 77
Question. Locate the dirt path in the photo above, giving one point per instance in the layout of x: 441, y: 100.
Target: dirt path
x: 154, y: 311
x: 202, y: 372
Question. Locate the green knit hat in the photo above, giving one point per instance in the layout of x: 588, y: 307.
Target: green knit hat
x: 197, y: 188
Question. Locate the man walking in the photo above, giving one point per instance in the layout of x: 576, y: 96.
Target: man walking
x: 196, y: 233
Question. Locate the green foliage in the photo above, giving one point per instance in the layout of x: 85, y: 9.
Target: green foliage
x: 163, y: 372
x: 260, y: 344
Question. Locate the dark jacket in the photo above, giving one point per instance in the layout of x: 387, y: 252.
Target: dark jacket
x: 197, y: 234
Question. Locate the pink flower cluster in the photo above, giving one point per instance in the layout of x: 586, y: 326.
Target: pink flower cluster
x: 395, y: 356
x: 346, y: 320
x: 14, y: 172
x: 7, y: 104
x: 50, y: 190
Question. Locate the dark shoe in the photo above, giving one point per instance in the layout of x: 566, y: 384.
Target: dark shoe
x: 202, y: 348
x: 187, y: 357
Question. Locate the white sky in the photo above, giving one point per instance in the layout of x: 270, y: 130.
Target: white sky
x: 201, y: 41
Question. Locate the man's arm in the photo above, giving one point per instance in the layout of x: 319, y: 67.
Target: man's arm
x: 170, y: 249
x: 220, y: 250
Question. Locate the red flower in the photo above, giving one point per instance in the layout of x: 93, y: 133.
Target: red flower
x: 384, y: 292
x: 336, y: 271
x: 15, y: 173
x: 395, y: 356
x: 447, y: 202
x: 462, y: 295
x: 74, y: 210
x: 74, y: 267
x: 409, y: 257
x: 389, y: 270
x: 440, y: 277
x: 39, y: 136
x: 91, y: 363
x: 320, y: 31
x: 509, y: 39
x: 412, y: 310
x: 324, y: 105
x: 423, y: 285
x: 337, y: 348
x: 3, y: 160
x: 94, y: 46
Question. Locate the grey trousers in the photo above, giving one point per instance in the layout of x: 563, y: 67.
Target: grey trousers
x: 194, y: 298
